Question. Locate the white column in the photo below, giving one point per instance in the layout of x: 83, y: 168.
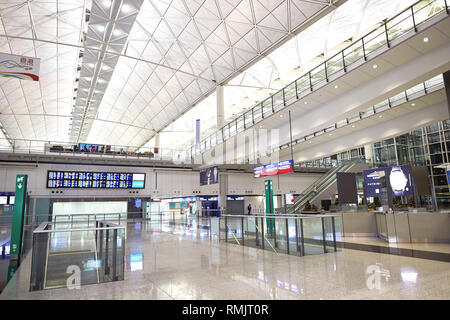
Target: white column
x: 220, y: 107
x: 157, y: 144
x: 368, y: 152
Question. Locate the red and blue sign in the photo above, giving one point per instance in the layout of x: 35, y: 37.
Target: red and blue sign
x: 273, y: 169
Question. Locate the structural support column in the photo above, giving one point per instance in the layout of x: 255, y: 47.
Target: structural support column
x: 368, y: 153
x: 157, y: 143
x: 223, y: 193
x: 220, y: 107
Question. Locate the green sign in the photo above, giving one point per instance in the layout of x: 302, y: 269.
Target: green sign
x: 268, y: 187
x: 20, y: 202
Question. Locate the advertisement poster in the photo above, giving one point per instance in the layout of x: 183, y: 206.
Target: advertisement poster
x: 19, y: 67
x: 399, y: 178
x: 273, y: 169
x: 209, y: 176
x: 372, y: 182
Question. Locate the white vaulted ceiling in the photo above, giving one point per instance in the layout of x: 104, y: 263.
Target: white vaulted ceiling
x: 40, y: 110
x: 203, y: 42
x: 170, y: 54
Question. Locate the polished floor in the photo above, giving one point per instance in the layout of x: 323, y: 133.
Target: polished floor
x: 181, y: 262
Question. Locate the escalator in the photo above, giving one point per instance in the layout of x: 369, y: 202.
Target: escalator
x: 321, y: 185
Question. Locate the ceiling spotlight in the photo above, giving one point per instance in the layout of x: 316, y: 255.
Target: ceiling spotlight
x: 336, y: 87
x: 306, y: 102
x: 329, y: 134
x: 380, y: 116
x: 281, y: 116
x: 413, y: 104
x: 353, y: 125
x: 425, y: 39
x: 310, y: 142
x: 374, y: 66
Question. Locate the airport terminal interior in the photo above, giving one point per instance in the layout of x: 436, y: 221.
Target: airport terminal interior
x: 225, y: 149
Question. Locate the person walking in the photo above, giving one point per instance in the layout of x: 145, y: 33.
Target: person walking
x: 249, y: 208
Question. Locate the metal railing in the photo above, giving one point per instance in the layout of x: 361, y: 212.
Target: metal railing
x: 412, y: 93
x: 387, y: 34
x: 29, y: 146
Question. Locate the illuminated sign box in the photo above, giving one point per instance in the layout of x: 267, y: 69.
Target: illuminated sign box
x: 96, y: 180
x: 273, y: 169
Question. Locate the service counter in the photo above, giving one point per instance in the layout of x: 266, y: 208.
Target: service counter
x: 401, y: 227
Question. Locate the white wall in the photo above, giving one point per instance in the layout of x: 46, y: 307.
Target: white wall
x: 158, y: 183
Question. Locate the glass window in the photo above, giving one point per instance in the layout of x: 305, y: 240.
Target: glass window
x: 433, y: 128
x: 436, y: 158
x: 435, y: 148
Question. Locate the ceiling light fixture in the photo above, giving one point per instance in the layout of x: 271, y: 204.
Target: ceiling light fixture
x: 306, y: 102
x: 374, y: 66
x: 353, y: 126
x: 380, y: 116
x: 100, y: 28
x: 413, y: 104
x: 425, y: 39
x: 336, y: 87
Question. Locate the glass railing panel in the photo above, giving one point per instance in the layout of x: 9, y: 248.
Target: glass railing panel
x: 313, y: 236
x: 257, y: 112
x: 375, y: 40
x: 353, y: 53
x: 329, y: 224
x: 250, y: 232
x: 423, y: 10
x: 293, y: 236
x: 226, y: 132
x: 400, y: 25
x: 240, y: 123
x: 248, y: 118
x: 232, y: 127
x: 303, y: 85
x: 335, y: 64
x: 267, y: 106
x: 269, y: 233
x: 281, y: 233
x: 318, y: 75
x: 72, y: 257
x: 278, y: 101
x: 289, y: 92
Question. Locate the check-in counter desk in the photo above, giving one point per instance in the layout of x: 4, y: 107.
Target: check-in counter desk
x: 420, y: 227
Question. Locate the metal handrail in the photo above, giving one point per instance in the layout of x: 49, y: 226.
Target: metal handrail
x: 42, y: 228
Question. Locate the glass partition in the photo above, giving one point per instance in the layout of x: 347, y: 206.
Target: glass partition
x: 290, y: 234
x: 71, y: 257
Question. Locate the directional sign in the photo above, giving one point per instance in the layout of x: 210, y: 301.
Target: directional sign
x: 19, y: 210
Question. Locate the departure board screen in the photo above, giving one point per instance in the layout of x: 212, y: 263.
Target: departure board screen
x: 98, y: 180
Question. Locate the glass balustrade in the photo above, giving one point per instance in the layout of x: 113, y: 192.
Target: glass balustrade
x: 290, y: 234
x: 74, y: 256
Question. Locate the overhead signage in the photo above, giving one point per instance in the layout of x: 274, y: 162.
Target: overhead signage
x: 102, y: 180
x: 209, y: 176
x: 273, y: 169
x: 19, y: 67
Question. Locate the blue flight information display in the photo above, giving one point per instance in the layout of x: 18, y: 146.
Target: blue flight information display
x: 100, y: 180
